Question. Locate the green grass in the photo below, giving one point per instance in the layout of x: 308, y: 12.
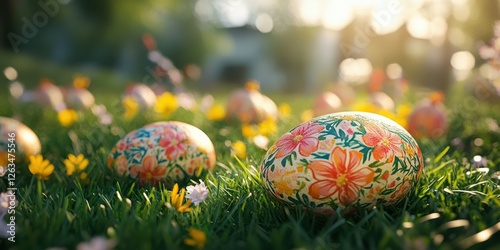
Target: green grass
x: 451, y: 205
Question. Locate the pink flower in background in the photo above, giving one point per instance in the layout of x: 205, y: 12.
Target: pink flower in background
x: 304, y: 137
x: 197, y: 193
x: 174, y: 144
x: 342, y: 174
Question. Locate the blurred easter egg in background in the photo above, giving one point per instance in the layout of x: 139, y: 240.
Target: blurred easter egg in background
x: 166, y: 152
x: 143, y: 94
x: 248, y: 105
x: 14, y: 132
x: 78, y: 98
x: 345, y: 92
x: 342, y: 160
x: 428, y: 119
x: 326, y: 103
x: 382, y: 101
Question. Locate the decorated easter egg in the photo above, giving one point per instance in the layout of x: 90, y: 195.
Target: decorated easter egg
x: 79, y: 98
x: 428, y: 119
x: 344, y: 160
x: 25, y: 140
x: 143, y: 94
x: 168, y: 152
x: 248, y: 105
x: 326, y: 103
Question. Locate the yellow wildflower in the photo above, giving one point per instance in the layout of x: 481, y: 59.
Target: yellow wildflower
x: 197, y: 238
x: 267, y: 127
x: 75, y: 163
x: 166, y: 104
x: 366, y: 107
x: 216, y: 112
x: 306, y: 115
x: 252, y: 85
x: 67, y: 117
x: 81, y: 82
x: 403, y: 110
x: 284, y: 109
x: 176, y: 200
x: 131, y: 107
x: 248, y: 130
x: 4, y: 159
x: 239, y: 149
x: 40, y: 168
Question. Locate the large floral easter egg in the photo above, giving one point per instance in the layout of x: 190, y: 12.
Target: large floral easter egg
x: 17, y: 139
x: 342, y: 160
x: 166, y: 152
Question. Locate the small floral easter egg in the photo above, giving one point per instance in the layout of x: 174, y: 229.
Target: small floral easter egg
x: 16, y: 139
x: 343, y: 160
x: 166, y: 152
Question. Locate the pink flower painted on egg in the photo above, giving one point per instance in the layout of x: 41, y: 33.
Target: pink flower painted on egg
x: 150, y: 171
x: 342, y: 174
x: 385, y: 144
x: 174, y: 144
x: 302, y: 137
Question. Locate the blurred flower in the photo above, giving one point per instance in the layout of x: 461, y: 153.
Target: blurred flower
x: 67, y: 117
x: 479, y: 161
x: 268, y: 127
x: 105, y: 119
x: 366, y: 107
x: 186, y: 100
x: 197, y: 193
x: 403, y: 110
x: 7, y: 199
x: 306, y: 115
x: 131, y: 106
x: 284, y: 109
x: 206, y: 103
x: 97, y: 243
x: 166, y: 104
x: 252, y: 85
x: 239, y: 149
x: 177, y: 199
x: 81, y: 82
x: 75, y: 163
x: 216, y: 112
x: 197, y: 238
x: 248, y: 130
x: 260, y: 141
x: 4, y: 161
x: 102, y: 114
x: 40, y: 168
